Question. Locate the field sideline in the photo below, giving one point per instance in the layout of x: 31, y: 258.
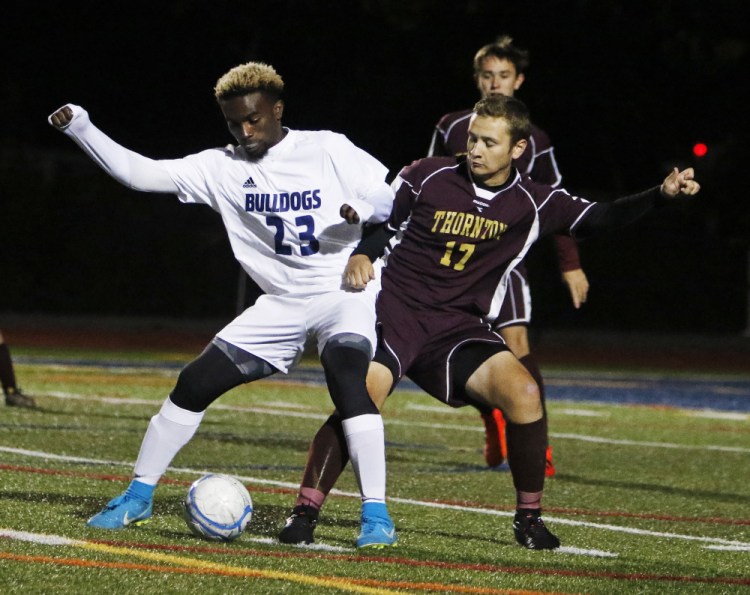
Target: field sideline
x: 647, y: 499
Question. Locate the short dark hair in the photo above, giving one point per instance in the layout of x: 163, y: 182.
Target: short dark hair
x: 503, y: 49
x: 512, y: 110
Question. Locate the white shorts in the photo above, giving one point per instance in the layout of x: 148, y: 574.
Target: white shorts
x: 276, y: 328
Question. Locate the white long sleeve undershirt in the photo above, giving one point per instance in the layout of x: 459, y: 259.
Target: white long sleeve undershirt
x: 126, y: 166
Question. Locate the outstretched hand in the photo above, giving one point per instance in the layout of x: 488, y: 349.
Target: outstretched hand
x: 62, y: 117
x: 680, y: 183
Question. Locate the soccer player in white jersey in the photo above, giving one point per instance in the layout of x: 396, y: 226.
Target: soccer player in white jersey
x: 289, y: 200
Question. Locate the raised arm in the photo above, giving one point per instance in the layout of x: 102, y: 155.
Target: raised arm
x: 127, y: 167
x: 606, y: 215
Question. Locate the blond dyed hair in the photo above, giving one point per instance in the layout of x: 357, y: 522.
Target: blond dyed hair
x: 249, y: 78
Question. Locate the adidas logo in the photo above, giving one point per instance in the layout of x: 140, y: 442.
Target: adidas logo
x: 249, y: 183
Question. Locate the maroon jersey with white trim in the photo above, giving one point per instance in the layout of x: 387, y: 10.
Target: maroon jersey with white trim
x: 458, y: 242
x: 538, y: 161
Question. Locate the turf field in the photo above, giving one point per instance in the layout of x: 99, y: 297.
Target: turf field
x: 647, y: 498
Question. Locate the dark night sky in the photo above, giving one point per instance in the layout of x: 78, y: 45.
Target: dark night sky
x: 623, y: 87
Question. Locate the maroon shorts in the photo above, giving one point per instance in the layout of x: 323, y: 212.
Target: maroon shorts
x: 516, y: 307
x: 422, y: 344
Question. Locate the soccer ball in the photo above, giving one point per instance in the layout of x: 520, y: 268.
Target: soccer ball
x: 217, y: 507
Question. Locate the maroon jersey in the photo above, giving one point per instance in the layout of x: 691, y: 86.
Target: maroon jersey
x: 538, y: 161
x: 458, y: 242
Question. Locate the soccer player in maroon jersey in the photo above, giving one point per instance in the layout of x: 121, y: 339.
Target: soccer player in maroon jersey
x: 458, y: 229
x: 499, y: 69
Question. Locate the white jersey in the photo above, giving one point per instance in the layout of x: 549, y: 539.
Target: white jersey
x: 282, y: 211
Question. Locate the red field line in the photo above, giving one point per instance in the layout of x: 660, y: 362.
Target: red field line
x: 437, y: 564
x: 119, y: 565
x: 250, y: 573
x: 451, y: 588
x: 271, y: 490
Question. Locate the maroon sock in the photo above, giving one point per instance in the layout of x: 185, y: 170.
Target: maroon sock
x: 7, y: 377
x: 527, y: 447
x: 326, y: 460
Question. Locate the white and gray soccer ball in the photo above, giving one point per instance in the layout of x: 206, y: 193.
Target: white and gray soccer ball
x: 217, y: 507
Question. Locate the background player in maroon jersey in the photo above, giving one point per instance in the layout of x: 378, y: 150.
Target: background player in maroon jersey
x: 499, y: 69
x: 14, y: 397
x: 459, y: 227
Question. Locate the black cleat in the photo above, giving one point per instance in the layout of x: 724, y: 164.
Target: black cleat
x: 14, y: 397
x: 530, y: 531
x: 300, y: 525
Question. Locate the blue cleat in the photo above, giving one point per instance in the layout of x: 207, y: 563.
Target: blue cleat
x: 377, y: 527
x: 122, y: 511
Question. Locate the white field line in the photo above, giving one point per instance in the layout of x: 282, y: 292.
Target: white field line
x: 582, y: 412
x: 39, y: 538
x: 727, y: 415
x: 157, y: 405
x: 729, y: 548
x: 410, y: 501
x: 45, y: 539
x: 114, y: 370
x: 581, y: 552
x: 397, y: 422
x: 430, y: 408
x: 317, y: 546
x: 599, y: 440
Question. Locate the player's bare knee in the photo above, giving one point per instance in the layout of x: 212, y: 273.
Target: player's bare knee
x: 525, y: 403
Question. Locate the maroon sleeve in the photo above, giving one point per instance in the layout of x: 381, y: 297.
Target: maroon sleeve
x: 451, y: 132
x: 437, y: 146
x: 623, y: 211
x: 567, y: 253
x: 541, y: 164
x: 559, y: 212
x: 545, y: 169
x: 406, y: 186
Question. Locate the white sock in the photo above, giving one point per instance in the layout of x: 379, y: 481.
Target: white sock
x: 168, y: 431
x: 366, y: 441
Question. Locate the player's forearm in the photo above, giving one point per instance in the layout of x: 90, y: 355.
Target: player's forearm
x: 623, y: 211
x: 374, y: 240
x: 127, y: 167
x: 567, y: 253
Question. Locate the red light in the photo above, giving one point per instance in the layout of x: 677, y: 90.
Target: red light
x: 700, y: 149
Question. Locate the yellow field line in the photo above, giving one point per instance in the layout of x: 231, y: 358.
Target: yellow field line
x: 187, y: 565
x: 341, y: 584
